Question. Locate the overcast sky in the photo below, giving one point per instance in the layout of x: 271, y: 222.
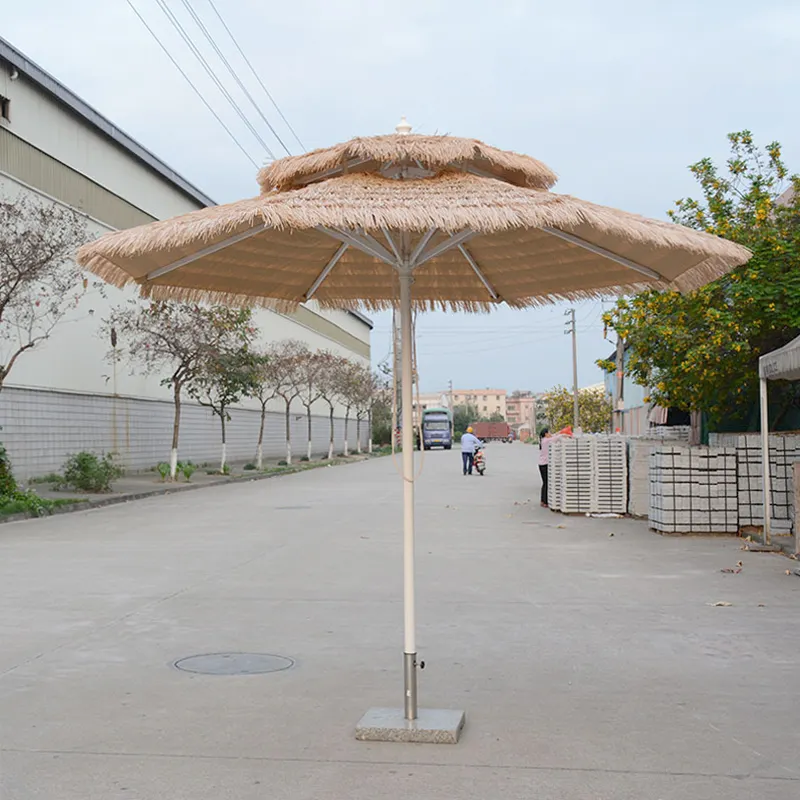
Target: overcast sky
x: 618, y: 97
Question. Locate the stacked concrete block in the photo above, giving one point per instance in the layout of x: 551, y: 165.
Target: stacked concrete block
x: 610, y: 483
x: 784, y: 451
x: 693, y: 490
x: 588, y: 474
x: 677, y: 433
x: 639, y: 450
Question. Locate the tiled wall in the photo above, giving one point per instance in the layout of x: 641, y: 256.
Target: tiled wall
x: 41, y: 428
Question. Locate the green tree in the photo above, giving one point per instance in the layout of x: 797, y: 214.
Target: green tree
x: 463, y: 417
x: 594, y: 409
x: 699, y: 351
x: 176, y: 339
x: 224, y: 380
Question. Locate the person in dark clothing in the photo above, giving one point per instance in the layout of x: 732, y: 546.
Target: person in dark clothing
x: 544, y: 448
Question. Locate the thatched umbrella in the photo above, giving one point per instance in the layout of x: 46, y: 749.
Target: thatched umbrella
x: 423, y: 221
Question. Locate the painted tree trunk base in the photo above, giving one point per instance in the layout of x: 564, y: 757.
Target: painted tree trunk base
x: 173, y: 463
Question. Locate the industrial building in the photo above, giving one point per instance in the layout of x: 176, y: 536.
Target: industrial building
x: 64, y: 396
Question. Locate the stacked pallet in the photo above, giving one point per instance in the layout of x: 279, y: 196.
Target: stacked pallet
x: 639, y: 451
x: 784, y: 450
x: 693, y: 490
x: 588, y: 475
x: 672, y: 432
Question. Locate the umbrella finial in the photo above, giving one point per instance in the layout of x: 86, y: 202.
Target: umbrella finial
x: 403, y: 128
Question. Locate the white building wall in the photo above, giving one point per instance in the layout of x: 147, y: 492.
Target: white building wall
x: 41, y: 121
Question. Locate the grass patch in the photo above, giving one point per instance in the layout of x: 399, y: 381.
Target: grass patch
x: 51, y: 477
x: 28, y: 502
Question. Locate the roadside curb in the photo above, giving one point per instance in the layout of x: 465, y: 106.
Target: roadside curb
x: 88, y: 505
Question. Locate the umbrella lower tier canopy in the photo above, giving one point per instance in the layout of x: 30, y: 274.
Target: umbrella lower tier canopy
x: 472, y: 242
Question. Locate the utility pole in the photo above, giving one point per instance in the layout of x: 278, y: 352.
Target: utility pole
x: 570, y: 328
x: 452, y: 410
x: 619, y: 405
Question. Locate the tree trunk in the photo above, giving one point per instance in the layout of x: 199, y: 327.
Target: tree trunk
x: 289, y: 432
x: 176, y: 427
x: 369, y: 431
x: 331, y: 442
x: 346, y: 432
x: 358, y: 434
x: 308, y: 416
x: 224, y: 442
x: 260, y: 449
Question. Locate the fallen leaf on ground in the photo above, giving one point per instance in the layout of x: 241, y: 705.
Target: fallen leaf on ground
x: 793, y: 572
x: 610, y: 534
x: 734, y: 570
x: 720, y: 604
x: 561, y: 526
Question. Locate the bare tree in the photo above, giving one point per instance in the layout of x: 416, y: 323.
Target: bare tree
x: 309, y: 373
x: 39, y: 281
x: 265, y: 389
x: 347, y: 379
x: 284, y: 359
x: 178, y: 338
x: 329, y: 391
x: 363, y: 394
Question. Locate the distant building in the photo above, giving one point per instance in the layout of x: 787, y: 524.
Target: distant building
x: 488, y: 402
x: 520, y: 408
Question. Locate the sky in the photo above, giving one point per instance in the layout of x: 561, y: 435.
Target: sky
x: 618, y: 97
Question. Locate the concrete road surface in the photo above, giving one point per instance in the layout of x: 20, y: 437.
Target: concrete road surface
x: 590, y: 666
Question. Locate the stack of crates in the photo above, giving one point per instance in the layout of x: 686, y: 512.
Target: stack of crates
x: 693, y: 490
x: 588, y: 475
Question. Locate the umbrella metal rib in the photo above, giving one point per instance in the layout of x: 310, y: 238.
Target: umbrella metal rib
x: 601, y: 251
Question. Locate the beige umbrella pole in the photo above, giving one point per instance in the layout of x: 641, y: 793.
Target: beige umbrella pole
x: 409, y: 604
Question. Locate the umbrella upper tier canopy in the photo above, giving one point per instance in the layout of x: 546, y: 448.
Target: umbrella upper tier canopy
x: 476, y: 225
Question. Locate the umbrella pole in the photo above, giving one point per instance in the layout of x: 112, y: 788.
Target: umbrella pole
x: 409, y: 612
x: 767, y: 478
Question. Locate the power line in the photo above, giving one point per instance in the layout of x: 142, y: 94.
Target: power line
x: 191, y: 83
x: 176, y: 23
x: 257, y: 77
x: 234, y: 75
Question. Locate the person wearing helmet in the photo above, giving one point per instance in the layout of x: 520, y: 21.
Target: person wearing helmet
x: 468, y: 444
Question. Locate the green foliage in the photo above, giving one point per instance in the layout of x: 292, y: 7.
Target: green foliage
x: 163, y: 470
x: 226, y: 469
x: 25, y: 502
x: 226, y: 378
x: 464, y: 416
x: 188, y: 469
x: 7, y: 483
x: 51, y: 477
x: 283, y: 463
x: 594, y: 409
x: 699, y: 351
x: 88, y: 472
x: 250, y: 467
x: 305, y: 458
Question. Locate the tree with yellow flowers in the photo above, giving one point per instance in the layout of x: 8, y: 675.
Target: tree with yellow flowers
x: 699, y: 351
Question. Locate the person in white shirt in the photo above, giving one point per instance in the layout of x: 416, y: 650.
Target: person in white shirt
x: 468, y: 444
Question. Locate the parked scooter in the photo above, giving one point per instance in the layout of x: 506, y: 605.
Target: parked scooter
x: 479, y: 461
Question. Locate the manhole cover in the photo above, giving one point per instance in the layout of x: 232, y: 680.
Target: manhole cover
x: 234, y: 663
